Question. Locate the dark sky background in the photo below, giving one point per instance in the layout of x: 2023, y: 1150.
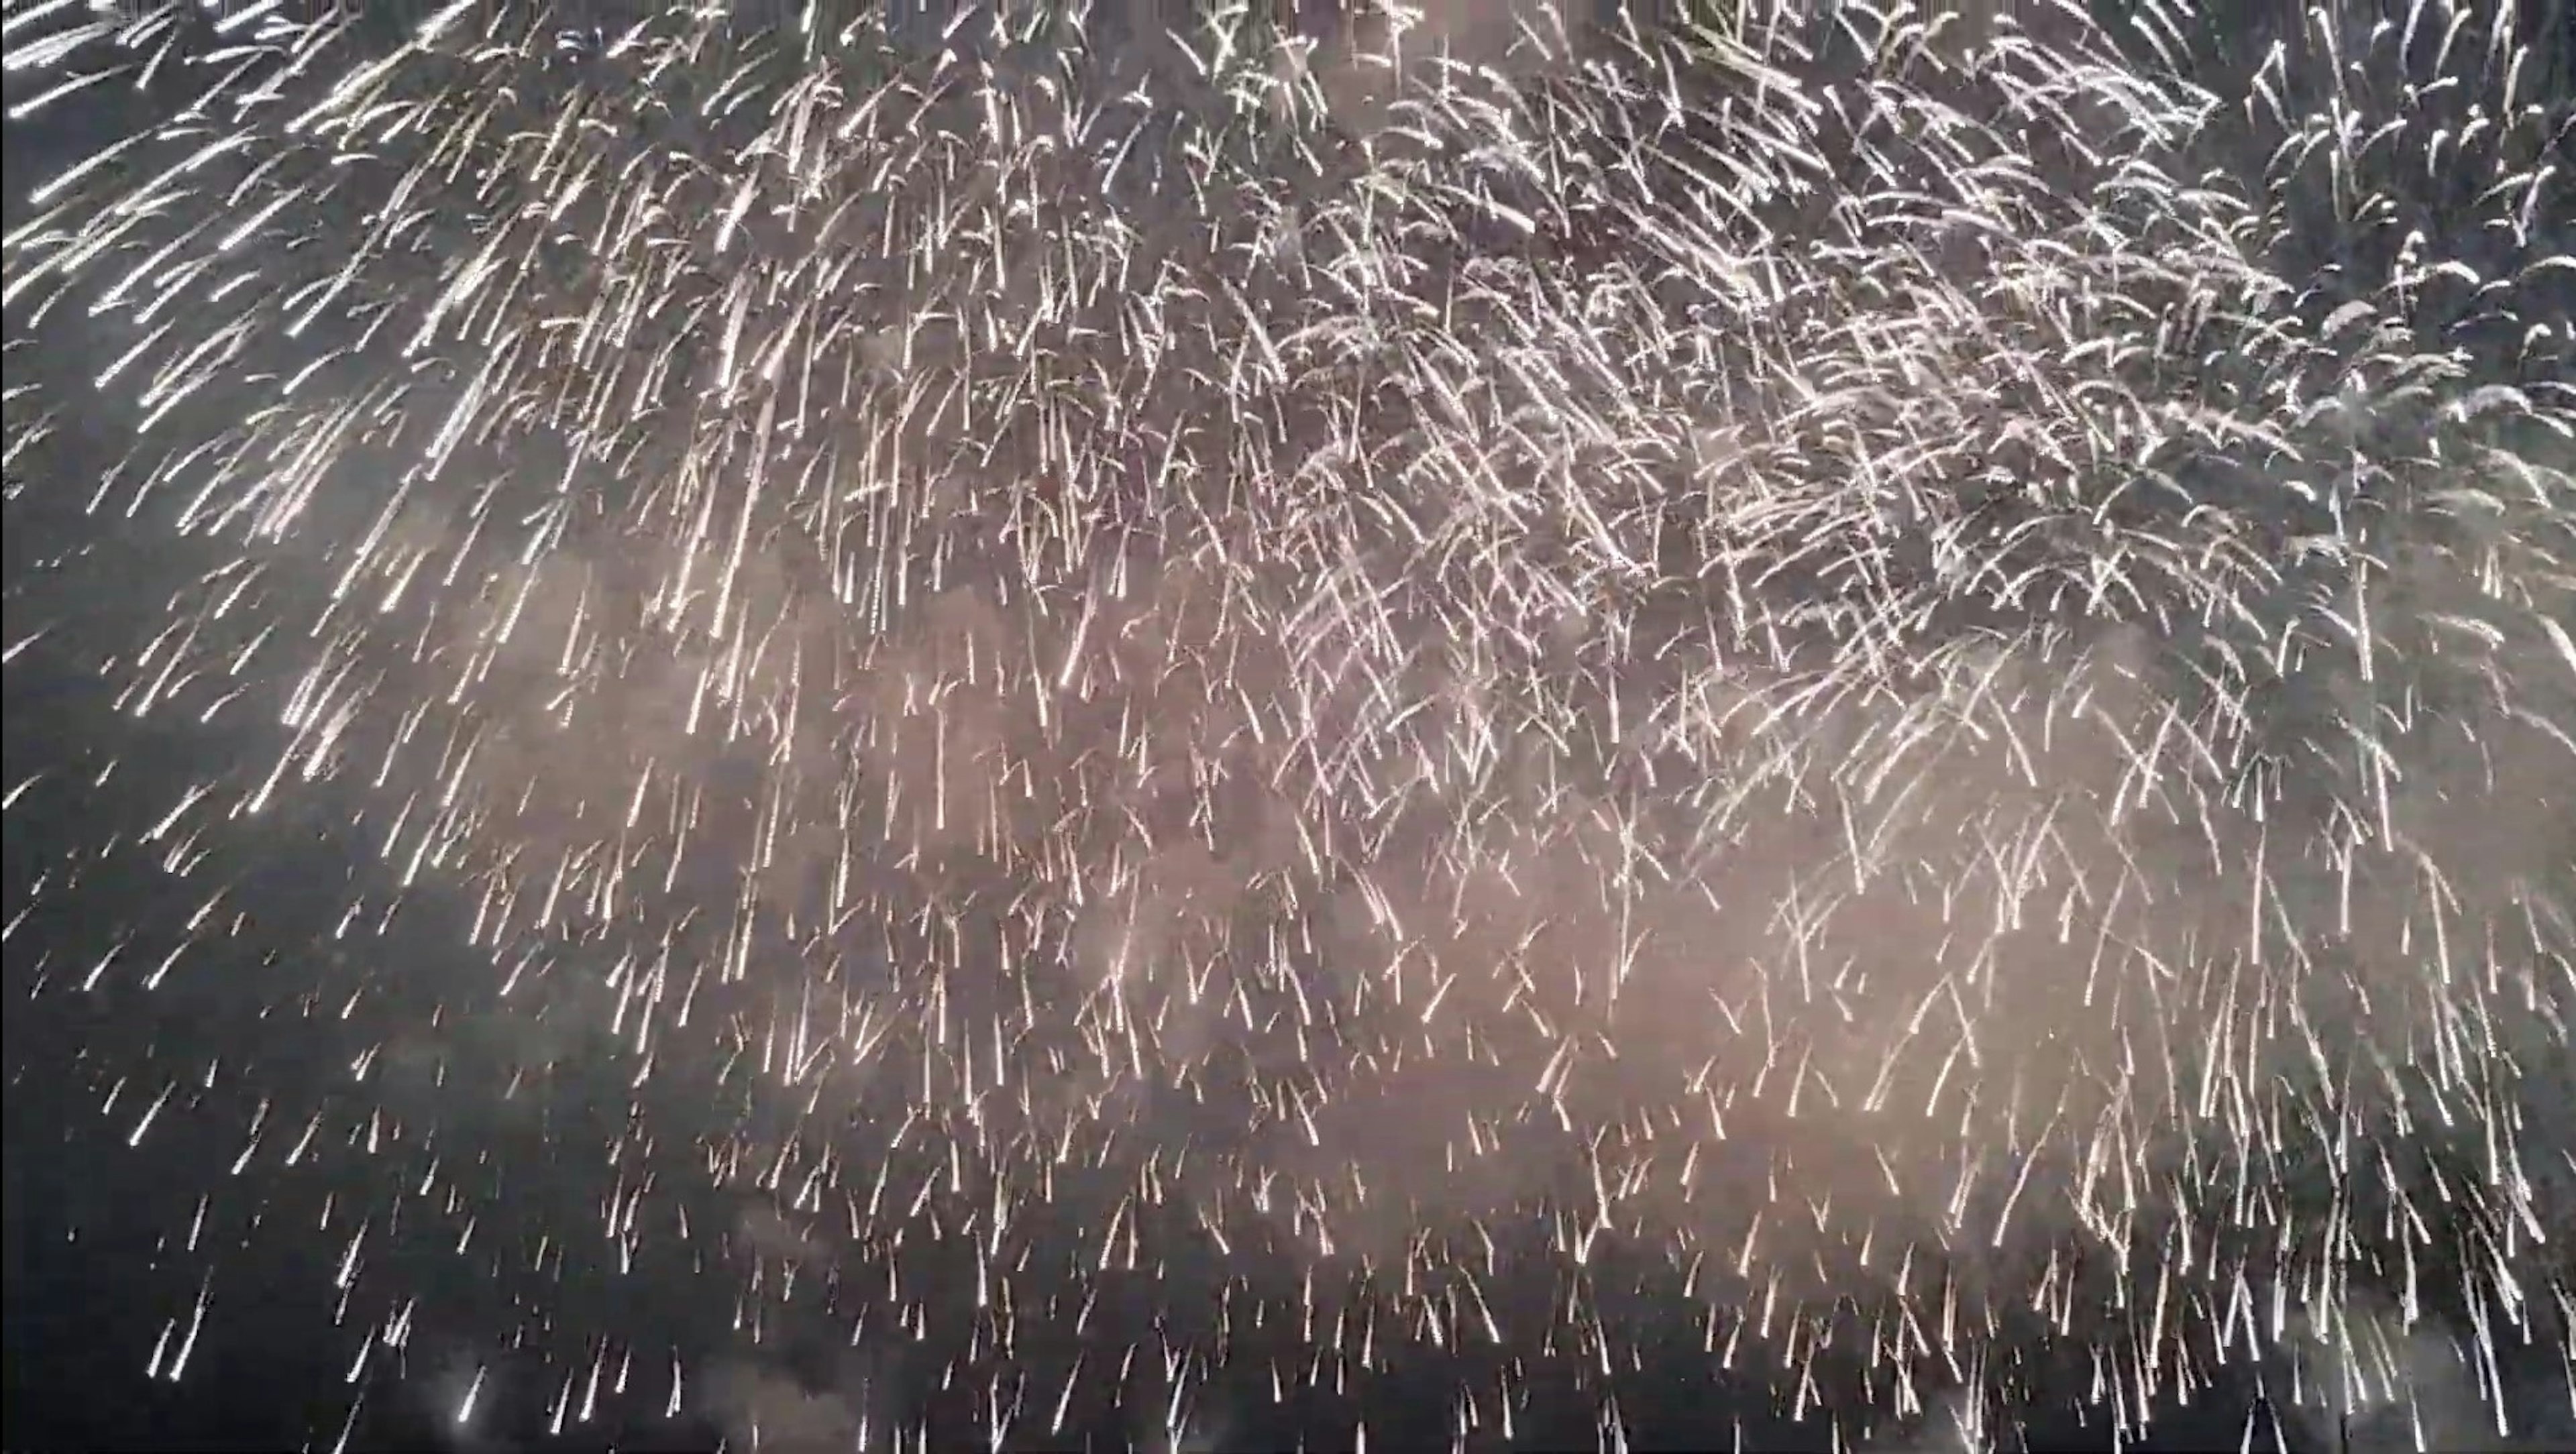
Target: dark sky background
x: 90, y: 1279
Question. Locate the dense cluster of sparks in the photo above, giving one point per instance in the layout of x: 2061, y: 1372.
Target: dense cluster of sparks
x: 1147, y: 715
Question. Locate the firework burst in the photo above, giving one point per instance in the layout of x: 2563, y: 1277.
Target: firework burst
x: 1028, y: 722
